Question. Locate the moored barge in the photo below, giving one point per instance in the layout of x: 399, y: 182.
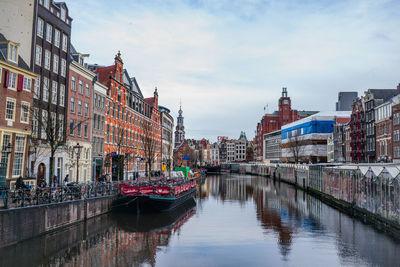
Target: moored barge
x: 155, y: 196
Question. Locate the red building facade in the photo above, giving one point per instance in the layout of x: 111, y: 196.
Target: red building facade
x: 273, y: 122
x: 357, y: 132
x: 127, y: 116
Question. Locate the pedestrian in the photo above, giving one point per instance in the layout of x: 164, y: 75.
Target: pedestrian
x: 19, y: 184
x: 55, y: 181
x: 66, y: 179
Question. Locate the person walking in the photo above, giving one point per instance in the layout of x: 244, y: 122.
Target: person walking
x: 66, y: 179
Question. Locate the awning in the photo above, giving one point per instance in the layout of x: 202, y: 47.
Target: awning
x: 393, y: 171
x: 364, y: 169
x: 377, y: 170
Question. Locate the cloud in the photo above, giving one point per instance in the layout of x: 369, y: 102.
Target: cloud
x: 226, y: 60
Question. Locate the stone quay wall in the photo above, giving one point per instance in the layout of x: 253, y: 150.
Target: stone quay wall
x: 25, y: 223
x: 368, y: 192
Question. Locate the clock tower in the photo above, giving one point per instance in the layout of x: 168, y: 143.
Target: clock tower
x: 285, y: 108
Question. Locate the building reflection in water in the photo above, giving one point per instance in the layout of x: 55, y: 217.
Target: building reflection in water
x: 285, y: 211
x: 130, y: 241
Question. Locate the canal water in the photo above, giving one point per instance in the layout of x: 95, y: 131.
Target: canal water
x: 236, y: 220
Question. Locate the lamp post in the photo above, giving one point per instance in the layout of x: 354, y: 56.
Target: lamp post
x: 77, y: 149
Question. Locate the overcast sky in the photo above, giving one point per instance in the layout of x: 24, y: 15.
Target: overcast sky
x: 226, y: 60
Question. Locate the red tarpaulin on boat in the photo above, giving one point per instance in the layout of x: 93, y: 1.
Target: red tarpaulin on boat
x: 162, y: 190
x: 129, y: 190
x: 146, y: 190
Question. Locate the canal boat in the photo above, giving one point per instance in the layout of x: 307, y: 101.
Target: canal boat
x: 155, y: 196
x: 156, y: 222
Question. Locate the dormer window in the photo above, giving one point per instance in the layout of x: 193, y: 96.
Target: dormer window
x: 80, y: 60
x: 13, y: 52
x: 63, y: 14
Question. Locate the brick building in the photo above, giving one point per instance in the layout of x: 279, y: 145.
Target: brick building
x: 273, y: 122
x: 16, y: 83
x: 357, y: 132
x: 396, y: 128
x: 129, y: 119
x: 79, y: 117
x: 383, y: 131
x: 44, y: 32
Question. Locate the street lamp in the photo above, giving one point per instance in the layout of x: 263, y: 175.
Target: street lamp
x: 77, y: 149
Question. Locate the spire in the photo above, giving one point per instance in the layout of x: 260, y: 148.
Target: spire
x: 284, y: 92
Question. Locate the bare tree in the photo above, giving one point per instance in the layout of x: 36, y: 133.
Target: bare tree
x: 52, y: 128
x: 149, y: 145
x: 295, y: 147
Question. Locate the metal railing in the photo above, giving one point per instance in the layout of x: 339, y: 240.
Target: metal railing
x: 47, y: 195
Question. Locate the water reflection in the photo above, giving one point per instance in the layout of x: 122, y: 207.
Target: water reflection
x: 238, y: 220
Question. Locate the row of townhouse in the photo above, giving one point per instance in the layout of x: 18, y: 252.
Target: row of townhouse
x: 63, y: 116
x: 372, y: 134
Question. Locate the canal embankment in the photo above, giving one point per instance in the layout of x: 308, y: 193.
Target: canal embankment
x: 29, y: 222
x: 370, y: 193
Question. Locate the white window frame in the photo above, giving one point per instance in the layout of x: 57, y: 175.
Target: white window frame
x: 36, y: 88
x: 12, y: 80
x: 86, y: 110
x: 40, y: 27
x: 12, y: 100
x: 47, y: 59
x: 79, y: 107
x: 73, y: 83
x: 80, y: 86
x: 63, y: 67
x: 27, y: 86
x: 54, y: 87
x: 65, y: 43
x: 35, y: 122
x: 12, y: 54
x: 57, y: 37
x: 19, y: 148
x: 49, y: 32
x: 24, y: 118
x: 56, y: 60
x: 38, y: 55
x: 87, y: 90
x: 46, y: 85
x: 72, y: 105
x: 62, y: 95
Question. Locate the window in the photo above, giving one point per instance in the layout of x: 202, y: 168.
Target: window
x: 47, y: 57
x: 63, y: 67
x: 86, y: 110
x: 79, y: 107
x: 72, y: 109
x: 46, y: 89
x: 78, y: 129
x: 87, y: 90
x: 57, y: 38
x: 39, y: 27
x: 27, y: 84
x: 10, y: 109
x: 80, y: 87
x: 53, y: 122
x: 55, y: 63
x: 63, y: 14
x: 6, y: 141
x: 54, y: 92
x: 95, y: 99
x: 71, y: 127
x: 38, y: 55
x: 62, y: 95
x: 73, y: 83
x: 94, y: 119
x: 47, y: 4
x: 49, y: 30
x: 59, y: 167
x: 44, y: 124
x: 12, y: 80
x: 102, y: 102
x: 18, y: 154
x: 24, y: 112
x: 86, y: 130
x: 108, y: 133
x: 65, y: 43
x: 12, y: 52
x: 60, y: 126
x: 35, y: 123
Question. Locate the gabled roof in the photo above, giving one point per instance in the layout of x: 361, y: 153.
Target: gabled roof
x: 384, y: 94
x: 104, y: 73
x: 135, y: 87
x: 3, y: 55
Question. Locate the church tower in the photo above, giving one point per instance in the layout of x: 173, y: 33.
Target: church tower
x: 285, y: 108
x: 180, y: 129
